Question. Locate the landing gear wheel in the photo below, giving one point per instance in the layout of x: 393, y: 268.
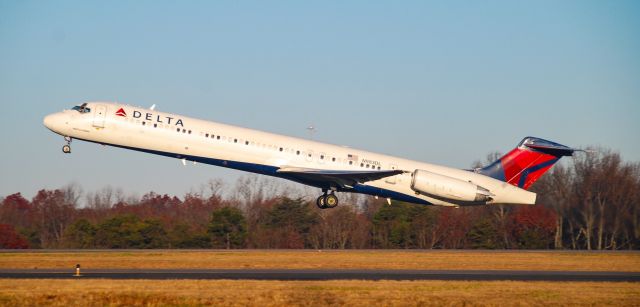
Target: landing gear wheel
x: 320, y: 202
x: 67, y: 147
x: 327, y: 201
x: 331, y: 201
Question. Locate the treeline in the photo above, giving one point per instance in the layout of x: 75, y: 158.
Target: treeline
x: 591, y: 203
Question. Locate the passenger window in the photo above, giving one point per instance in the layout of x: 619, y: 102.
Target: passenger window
x: 206, y: 135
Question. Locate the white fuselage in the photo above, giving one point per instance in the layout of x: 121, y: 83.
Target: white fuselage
x: 256, y: 151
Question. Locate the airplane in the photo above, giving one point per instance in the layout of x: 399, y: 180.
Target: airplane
x: 330, y: 168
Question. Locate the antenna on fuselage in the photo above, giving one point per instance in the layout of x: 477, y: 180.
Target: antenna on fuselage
x: 152, y: 107
x: 312, y: 130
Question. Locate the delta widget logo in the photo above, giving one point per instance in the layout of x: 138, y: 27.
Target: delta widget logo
x: 121, y: 112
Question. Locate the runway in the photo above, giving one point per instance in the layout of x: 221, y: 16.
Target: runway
x: 323, y: 274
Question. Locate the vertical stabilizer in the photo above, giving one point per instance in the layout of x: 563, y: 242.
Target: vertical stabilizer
x: 523, y: 165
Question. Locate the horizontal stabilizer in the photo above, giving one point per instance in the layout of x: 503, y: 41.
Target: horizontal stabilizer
x: 548, y: 147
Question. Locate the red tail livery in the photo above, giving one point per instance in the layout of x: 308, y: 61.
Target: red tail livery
x: 526, y: 163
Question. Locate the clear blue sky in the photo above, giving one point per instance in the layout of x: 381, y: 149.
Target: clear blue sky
x: 444, y: 82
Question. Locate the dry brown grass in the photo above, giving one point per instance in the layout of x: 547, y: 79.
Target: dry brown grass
x: 305, y: 259
x: 96, y: 292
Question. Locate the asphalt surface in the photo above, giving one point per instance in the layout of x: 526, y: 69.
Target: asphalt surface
x: 287, y: 274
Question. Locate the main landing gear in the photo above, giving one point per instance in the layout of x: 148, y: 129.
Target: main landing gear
x: 326, y: 201
x: 67, y: 147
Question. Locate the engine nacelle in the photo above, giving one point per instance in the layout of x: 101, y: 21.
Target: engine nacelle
x: 448, y: 188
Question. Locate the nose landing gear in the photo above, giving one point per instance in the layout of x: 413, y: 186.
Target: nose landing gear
x: 327, y: 201
x: 67, y: 147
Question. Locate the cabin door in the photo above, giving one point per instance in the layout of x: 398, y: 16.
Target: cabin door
x: 99, y: 114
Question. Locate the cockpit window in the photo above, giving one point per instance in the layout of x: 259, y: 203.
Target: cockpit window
x: 82, y: 108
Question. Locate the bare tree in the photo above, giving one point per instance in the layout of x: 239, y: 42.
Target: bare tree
x: 55, y: 214
x: 105, y: 198
x: 72, y: 193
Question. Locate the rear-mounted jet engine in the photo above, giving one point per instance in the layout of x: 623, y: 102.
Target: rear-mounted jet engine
x: 448, y: 188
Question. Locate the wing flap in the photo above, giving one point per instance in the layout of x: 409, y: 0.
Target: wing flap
x: 337, y: 178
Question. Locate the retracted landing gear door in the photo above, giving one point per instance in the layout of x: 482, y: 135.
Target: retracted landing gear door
x: 99, y: 114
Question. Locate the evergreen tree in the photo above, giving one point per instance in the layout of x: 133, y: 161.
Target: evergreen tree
x: 228, y: 228
x: 80, y: 234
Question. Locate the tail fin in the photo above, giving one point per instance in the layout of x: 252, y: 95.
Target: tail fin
x: 526, y: 163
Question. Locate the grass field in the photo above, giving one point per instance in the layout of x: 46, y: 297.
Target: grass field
x: 305, y: 259
x: 95, y: 292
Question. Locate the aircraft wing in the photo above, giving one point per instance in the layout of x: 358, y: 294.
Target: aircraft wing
x: 338, y: 178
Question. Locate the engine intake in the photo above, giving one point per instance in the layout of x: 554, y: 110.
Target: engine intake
x: 448, y: 188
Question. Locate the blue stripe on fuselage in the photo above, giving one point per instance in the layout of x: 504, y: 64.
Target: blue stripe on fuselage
x: 272, y: 171
x: 367, y: 189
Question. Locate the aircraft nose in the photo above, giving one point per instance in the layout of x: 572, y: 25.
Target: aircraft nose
x: 53, y: 121
x: 48, y: 121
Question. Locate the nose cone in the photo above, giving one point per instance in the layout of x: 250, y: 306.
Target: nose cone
x: 54, y: 122
x: 48, y: 121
